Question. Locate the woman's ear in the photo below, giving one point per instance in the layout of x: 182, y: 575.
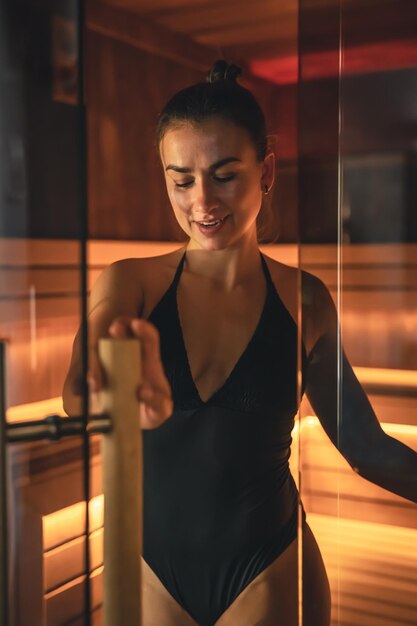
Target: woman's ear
x: 268, y: 172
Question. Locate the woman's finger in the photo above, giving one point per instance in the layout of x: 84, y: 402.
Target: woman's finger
x: 121, y: 327
x: 156, y: 406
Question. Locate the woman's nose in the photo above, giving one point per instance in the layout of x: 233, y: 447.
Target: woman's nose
x: 205, y: 197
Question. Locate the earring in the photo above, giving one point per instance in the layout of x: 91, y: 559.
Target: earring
x: 266, y: 190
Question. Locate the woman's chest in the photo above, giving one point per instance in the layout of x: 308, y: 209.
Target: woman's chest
x: 217, y: 329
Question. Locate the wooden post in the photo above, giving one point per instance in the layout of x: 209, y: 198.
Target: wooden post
x: 122, y: 483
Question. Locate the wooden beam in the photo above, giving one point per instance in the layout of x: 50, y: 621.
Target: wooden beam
x: 134, y: 30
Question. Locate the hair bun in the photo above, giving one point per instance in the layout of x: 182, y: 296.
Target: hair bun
x: 221, y: 70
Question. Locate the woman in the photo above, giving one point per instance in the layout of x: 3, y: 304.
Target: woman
x: 217, y: 322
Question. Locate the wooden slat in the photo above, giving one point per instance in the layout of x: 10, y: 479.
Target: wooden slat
x: 347, y: 485
x: 24, y: 252
x: 67, y: 562
x: 361, y: 511
x: 66, y: 603
x: 312, y: 256
x: 63, y: 525
x: 25, y: 282
x: 64, y: 564
x: 394, y: 409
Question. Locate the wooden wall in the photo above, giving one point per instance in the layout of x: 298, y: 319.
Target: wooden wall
x: 126, y: 89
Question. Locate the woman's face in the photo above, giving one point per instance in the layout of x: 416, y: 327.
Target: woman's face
x: 214, y: 181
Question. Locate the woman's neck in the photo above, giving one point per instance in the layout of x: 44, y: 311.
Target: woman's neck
x: 232, y: 266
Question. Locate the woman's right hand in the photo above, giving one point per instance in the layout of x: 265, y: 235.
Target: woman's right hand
x: 154, y: 393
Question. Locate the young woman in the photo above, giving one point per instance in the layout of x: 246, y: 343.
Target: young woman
x: 217, y: 321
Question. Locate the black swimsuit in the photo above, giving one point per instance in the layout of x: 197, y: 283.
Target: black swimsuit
x: 220, y: 503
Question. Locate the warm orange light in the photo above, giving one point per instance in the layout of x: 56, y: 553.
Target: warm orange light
x: 64, y: 541
x: 392, y: 429
x: 103, y: 252
x: 35, y: 410
x: 394, y: 378
x: 68, y: 523
x: 63, y: 525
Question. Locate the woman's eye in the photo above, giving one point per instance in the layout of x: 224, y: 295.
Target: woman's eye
x: 224, y: 179
x: 184, y: 185
x: 217, y: 179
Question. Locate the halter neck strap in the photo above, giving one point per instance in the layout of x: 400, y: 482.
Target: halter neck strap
x: 266, y: 271
x: 178, y: 271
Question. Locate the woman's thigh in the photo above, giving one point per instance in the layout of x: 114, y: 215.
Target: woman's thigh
x: 316, y: 589
x: 159, y: 608
x: 271, y: 599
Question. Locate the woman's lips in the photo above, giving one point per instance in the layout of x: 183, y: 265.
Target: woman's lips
x: 212, y: 226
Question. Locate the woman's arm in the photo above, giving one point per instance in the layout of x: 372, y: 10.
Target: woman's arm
x: 344, y: 409
x: 116, y: 302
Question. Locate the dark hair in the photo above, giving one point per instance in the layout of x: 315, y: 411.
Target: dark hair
x: 220, y: 96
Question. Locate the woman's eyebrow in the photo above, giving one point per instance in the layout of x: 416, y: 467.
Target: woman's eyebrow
x: 215, y: 166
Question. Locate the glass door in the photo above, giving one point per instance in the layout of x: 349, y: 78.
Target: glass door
x: 46, y: 483
x: 357, y: 191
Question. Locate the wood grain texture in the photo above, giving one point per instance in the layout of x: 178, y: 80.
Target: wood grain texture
x: 126, y: 90
x: 122, y: 483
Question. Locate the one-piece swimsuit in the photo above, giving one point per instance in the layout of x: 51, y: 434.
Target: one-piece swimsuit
x: 220, y: 503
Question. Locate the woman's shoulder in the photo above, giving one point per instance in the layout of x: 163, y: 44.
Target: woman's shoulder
x: 132, y: 281
x: 297, y: 287
x: 140, y: 266
x: 292, y: 278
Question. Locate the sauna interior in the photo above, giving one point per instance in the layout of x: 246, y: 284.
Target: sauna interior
x: 81, y: 186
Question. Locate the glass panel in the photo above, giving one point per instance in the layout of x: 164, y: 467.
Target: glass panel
x: 42, y: 223
x: 358, y: 236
